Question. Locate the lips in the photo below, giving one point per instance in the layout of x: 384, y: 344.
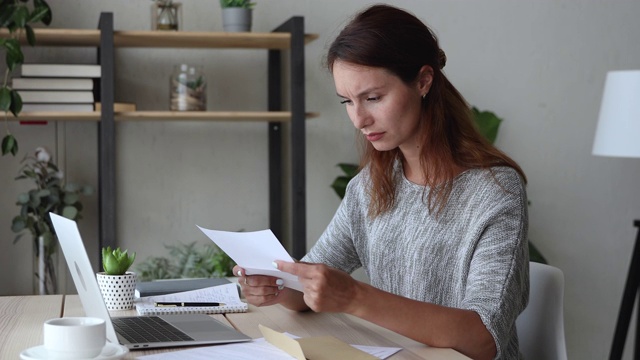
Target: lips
x: 374, y: 136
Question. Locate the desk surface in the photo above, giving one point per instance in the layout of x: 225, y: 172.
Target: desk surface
x: 21, y: 319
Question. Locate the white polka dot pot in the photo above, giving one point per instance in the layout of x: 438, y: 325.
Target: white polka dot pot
x: 117, y: 290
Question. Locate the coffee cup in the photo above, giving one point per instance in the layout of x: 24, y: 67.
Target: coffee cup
x: 74, y: 337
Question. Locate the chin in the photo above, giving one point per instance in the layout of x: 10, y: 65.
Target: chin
x: 383, y: 147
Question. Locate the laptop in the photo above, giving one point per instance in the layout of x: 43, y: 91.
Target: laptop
x: 135, y: 332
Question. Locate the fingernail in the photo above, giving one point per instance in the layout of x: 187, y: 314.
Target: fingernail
x: 275, y: 265
x: 239, y: 272
x: 279, y: 282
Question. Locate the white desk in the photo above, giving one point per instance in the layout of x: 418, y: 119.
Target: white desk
x: 21, y: 319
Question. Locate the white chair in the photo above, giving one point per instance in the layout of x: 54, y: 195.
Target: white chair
x: 541, y: 325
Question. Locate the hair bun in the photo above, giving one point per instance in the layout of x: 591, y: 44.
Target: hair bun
x: 442, y: 58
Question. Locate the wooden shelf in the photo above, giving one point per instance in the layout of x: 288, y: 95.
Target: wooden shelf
x: 163, y: 39
x: 259, y: 116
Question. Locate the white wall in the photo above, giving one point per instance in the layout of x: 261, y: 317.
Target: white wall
x: 540, y: 65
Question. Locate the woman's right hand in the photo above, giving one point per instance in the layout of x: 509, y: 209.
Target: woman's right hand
x: 260, y: 290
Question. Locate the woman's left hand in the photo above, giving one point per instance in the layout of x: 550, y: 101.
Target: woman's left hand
x: 325, y: 288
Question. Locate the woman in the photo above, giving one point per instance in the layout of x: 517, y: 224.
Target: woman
x: 437, y: 216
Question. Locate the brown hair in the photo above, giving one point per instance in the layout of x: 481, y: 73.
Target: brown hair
x: 387, y: 37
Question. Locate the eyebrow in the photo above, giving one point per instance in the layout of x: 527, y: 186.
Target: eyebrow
x: 363, y: 92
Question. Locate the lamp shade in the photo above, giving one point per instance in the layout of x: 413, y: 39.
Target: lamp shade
x: 618, y: 131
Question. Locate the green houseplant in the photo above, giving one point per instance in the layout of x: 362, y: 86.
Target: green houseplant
x: 236, y: 15
x: 16, y: 16
x: 187, y: 261
x: 50, y: 194
x: 488, y: 123
x: 117, y: 284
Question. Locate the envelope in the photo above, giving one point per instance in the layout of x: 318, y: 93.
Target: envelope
x: 313, y: 348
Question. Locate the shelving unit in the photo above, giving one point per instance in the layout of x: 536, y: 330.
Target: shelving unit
x: 289, y: 37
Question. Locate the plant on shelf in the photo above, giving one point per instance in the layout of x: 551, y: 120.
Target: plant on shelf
x: 51, y: 194
x: 246, y: 4
x: 187, y: 261
x: 488, y: 123
x: 117, y: 284
x: 16, y: 16
x: 237, y: 15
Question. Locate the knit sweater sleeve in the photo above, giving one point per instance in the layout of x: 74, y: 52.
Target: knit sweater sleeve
x: 497, y: 285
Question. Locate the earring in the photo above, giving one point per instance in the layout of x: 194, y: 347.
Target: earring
x: 424, y: 96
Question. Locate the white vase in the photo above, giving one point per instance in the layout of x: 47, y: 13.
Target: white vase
x: 117, y: 290
x: 236, y: 19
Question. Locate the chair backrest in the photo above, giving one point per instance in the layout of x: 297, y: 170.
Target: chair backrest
x: 541, y: 325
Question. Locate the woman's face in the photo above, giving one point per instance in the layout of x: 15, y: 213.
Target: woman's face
x: 382, y: 106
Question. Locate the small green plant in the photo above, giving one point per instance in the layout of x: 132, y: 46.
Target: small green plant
x: 187, y: 261
x: 116, y: 261
x: 237, y: 3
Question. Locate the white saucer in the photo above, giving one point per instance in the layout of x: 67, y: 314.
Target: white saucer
x: 109, y: 352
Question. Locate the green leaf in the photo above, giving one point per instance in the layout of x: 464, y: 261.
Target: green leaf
x: 5, y: 99
x: 6, y: 13
x: 15, y: 240
x: 43, y: 193
x: 87, y: 190
x: 23, y: 198
x: 350, y: 170
x: 71, y: 198
x: 71, y: 187
x: 16, y: 103
x: 46, y: 19
x: 31, y: 36
x: 18, y: 224
x: 116, y: 262
x: 339, y: 185
x: 14, y: 55
x: 21, y: 16
x: 488, y: 123
x: 535, y: 255
x: 9, y: 145
x: 70, y: 212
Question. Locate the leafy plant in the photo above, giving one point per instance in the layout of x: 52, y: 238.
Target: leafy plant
x: 116, y: 261
x: 237, y: 3
x: 488, y: 123
x: 187, y: 261
x: 51, y: 194
x: 339, y: 185
x: 16, y: 15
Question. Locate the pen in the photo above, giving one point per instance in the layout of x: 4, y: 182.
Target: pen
x: 182, y: 304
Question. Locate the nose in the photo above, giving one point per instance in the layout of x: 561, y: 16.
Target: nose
x: 359, y: 116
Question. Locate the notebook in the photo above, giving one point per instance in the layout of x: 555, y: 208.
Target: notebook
x: 161, y: 287
x: 171, y: 330
x: 226, y: 294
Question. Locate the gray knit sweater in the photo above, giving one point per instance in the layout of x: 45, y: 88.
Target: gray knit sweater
x: 474, y: 255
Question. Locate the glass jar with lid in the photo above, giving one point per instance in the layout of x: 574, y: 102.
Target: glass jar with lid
x: 188, y: 89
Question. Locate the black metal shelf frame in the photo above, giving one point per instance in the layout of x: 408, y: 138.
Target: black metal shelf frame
x: 296, y: 92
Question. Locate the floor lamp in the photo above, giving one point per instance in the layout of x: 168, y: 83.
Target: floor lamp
x: 618, y: 135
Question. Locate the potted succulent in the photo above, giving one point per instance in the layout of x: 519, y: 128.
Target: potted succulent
x: 236, y: 15
x: 117, y: 284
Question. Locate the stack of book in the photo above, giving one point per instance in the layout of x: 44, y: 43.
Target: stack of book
x: 57, y: 87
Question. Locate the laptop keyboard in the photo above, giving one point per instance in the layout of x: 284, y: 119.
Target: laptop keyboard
x: 147, y: 329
